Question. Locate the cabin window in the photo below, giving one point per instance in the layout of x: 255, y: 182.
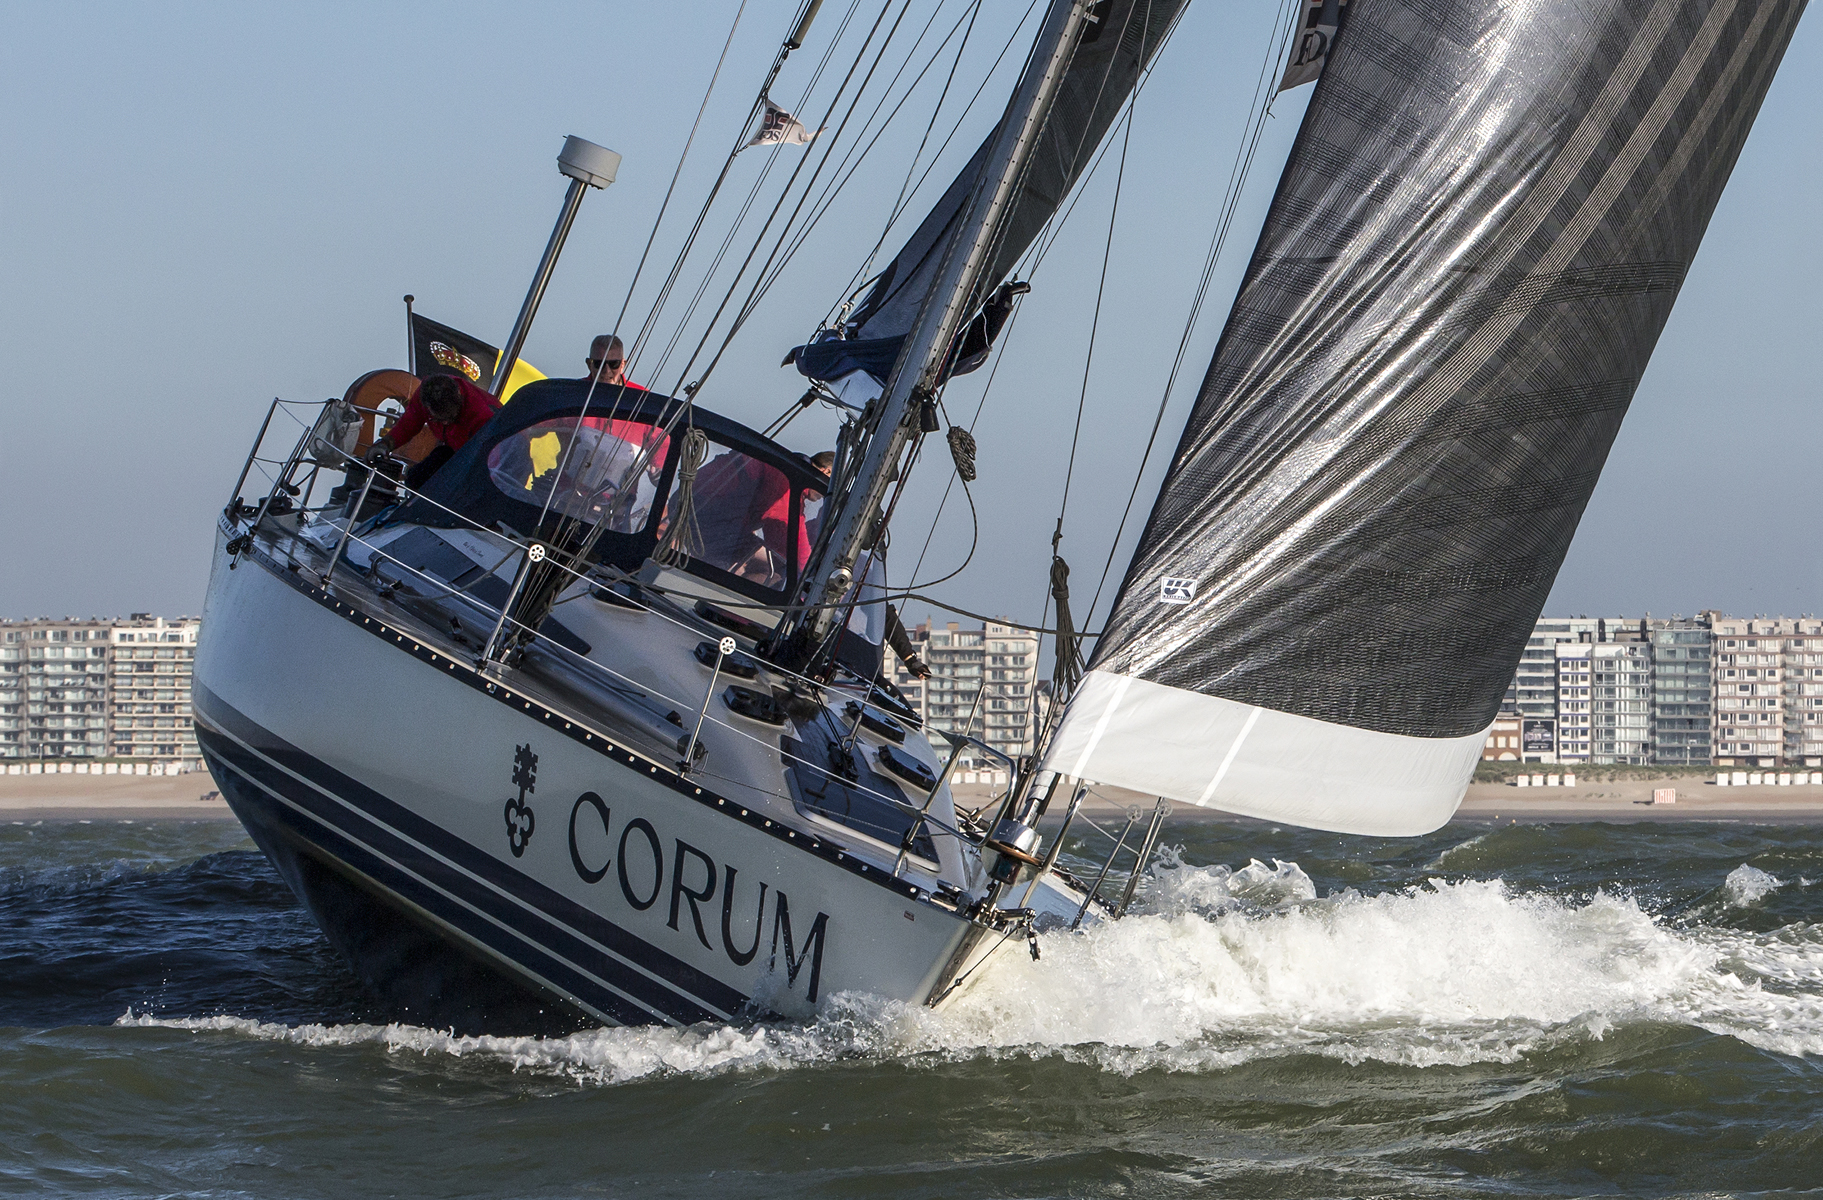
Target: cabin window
x: 590, y: 469
x: 743, y: 521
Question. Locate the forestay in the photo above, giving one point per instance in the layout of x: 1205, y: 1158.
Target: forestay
x: 1103, y: 72
x: 1475, y: 244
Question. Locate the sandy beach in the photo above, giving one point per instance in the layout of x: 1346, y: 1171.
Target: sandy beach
x: 111, y: 797
x: 189, y: 798
x: 1624, y: 800
x: 1698, y: 799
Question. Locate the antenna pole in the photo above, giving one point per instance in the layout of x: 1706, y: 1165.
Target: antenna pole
x: 587, y: 166
x: 411, y: 338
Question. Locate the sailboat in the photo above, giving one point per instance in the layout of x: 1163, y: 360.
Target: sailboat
x: 591, y: 726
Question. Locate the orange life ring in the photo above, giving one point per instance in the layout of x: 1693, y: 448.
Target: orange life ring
x: 371, y: 390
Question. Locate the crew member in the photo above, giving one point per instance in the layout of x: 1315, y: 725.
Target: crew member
x: 607, y: 362
x: 901, y: 642
x: 452, y: 408
x: 824, y: 462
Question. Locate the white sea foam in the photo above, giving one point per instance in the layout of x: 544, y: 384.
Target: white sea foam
x: 1747, y: 885
x: 1224, y: 966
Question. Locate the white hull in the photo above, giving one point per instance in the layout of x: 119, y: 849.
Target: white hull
x: 379, y: 771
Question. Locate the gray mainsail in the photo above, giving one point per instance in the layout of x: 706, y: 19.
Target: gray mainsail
x: 1103, y: 72
x: 1477, y: 239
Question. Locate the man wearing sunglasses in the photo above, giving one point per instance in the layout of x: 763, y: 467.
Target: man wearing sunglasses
x: 606, y: 361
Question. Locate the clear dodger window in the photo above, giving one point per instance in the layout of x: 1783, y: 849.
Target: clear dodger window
x: 743, y: 523
x: 590, y: 468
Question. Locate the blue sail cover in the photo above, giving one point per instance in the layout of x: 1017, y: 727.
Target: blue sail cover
x: 1474, y: 246
x: 1103, y: 72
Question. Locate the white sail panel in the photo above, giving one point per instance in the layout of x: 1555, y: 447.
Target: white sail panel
x: 1241, y: 758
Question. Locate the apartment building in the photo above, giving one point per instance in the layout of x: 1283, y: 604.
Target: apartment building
x: 1533, y: 692
x: 149, y: 688
x: 53, y: 688
x: 1683, y: 692
x: 983, y: 683
x: 97, y: 689
x: 1604, y: 702
x: 1768, y: 691
x: 1804, y: 696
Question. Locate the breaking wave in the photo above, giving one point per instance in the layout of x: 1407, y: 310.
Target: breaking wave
x: 1222, y: 966
x: 1747, y: 885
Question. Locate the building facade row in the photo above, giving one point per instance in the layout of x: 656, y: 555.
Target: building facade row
x: 100, y: 689
x: 1710, y: 689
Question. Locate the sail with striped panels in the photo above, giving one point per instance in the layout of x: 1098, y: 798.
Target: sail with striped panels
x: 1484, y: 221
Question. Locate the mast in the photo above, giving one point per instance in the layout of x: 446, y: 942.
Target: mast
x: 897, y: 418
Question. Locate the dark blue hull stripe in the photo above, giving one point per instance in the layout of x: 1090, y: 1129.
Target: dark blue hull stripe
x: 355, y: 811
x: 286, y: 822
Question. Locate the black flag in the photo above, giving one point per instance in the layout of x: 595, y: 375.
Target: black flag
x: 1311, y: 43
x: 439, y: 350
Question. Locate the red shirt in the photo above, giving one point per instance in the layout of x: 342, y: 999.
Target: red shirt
x: 478, y: 408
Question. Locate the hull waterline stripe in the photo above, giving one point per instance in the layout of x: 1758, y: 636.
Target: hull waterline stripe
x: 526, y: 959
x: 467, y: 864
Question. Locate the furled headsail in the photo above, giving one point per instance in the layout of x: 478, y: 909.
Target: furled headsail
x: 1122, y: 37
x: 1484, y: 221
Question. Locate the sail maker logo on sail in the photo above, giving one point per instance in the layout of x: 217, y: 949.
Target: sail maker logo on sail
x: 1173, y: 589
x: 639, y: 862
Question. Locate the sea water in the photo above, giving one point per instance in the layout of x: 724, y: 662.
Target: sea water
x: 1494, y: 1010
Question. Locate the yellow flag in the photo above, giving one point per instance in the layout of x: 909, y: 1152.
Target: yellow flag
x: 523, y: 373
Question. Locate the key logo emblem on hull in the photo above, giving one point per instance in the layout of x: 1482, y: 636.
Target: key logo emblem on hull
x: 520, y: 820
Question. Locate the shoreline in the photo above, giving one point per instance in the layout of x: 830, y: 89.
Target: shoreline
x: 192, y: 798
x: 1622, y: 801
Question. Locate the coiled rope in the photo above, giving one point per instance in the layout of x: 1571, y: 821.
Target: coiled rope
x: 684, y: 540
x: 962, y: 450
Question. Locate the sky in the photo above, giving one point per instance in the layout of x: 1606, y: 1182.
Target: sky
x: 203, y: 207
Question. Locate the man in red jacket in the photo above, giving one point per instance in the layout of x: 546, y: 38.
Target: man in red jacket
x: 451, y: 408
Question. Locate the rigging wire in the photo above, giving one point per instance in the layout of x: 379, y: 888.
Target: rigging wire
x: 746, y: 308
x: 753, y: 192
x: 1068, y: 653
x: 648, y: 325
x: 1101, y: 287
x: 681, y: 159
x: 834, y: 188
x: 855, y: 282
x: 911, y: 168
x: 1032, y: 261
x: 1237, y: 181
x: 784, y: 194
x: 851, y: 163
